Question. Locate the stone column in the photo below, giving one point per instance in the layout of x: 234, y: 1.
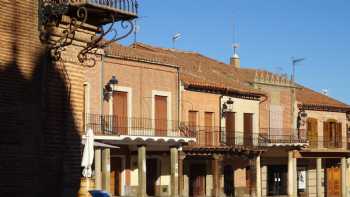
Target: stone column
x: 181, y: 173
x: 174, y: 166
x: 295, y: 177
x: 318, y: 177
x: 98, y: 183
x: 290, y: 174
x: 106, y: 169
x: 142, y: 170
x: 343, y: 177
x: 216, y: 175
x: 258, y: 176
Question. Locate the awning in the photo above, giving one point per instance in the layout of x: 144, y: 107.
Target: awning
x: 99, y: 144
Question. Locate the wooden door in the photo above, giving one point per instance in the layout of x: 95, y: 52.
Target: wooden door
x: 326, y: 135
x: 312, y: 135
x: 208, y: 123
x: 192, y: 122
x: 338, y: 136
x: 248, y: 129
x: 230, y: 128
x: 333, y: 182
x: 197, y: 180
x: 115, y: 176
x: 151, y: 176
x: 161, y: 116
x: 120, y: 112
x: 277, y: 180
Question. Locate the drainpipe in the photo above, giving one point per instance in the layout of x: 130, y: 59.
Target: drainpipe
x: 101, y: 85
x: 178, y: 94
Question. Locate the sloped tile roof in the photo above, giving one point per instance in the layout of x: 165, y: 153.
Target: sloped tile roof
x: 195, y: 69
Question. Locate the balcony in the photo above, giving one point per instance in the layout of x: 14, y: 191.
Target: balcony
x: 101, y: 12
x: 333, y: 143
x: 109, y: 125
x: 219, y: 137
x: 283, y: 137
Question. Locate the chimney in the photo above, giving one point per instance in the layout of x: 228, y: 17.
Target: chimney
x: 235, y: 60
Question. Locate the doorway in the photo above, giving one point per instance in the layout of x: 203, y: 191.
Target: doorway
x: 229, y: 181
x: 333, y: 178
x: 277, y: 180
x: 197, y: 179
x: 115, y: 176
x: 151, y: 176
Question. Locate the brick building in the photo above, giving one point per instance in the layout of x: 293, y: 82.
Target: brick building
x: 41, y: 102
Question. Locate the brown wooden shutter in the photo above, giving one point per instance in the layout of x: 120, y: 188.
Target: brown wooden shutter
x: 120, y: 112
x: 192, y: 123
x: 161, y: 115
x: 338, y: 135
x: 230, y: 128
x: 208, y: 122
x: 312, y: 129
x: 248, y: 129
x: 326, y: 134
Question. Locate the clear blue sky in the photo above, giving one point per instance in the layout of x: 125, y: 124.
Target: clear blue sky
x: 270, y: 32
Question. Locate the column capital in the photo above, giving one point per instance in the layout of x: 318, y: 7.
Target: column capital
x: 217, y: 157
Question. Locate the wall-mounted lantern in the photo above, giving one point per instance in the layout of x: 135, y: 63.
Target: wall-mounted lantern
x: 227, y: 107
x: 348, y: 116
x: 107, y: 90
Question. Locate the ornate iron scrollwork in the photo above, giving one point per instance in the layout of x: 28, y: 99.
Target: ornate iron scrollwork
x: 51, y: 14
x: 99, y: 41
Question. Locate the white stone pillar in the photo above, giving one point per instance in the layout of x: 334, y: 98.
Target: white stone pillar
x: 258, y: 176
x: 295, y: 177
x: 141, y: 171
x: 98, y: 181
x: 343, y: 177
x: 106, y: 169
x: 174, y: 166
x: 318, y: 177
x: 290, y: 174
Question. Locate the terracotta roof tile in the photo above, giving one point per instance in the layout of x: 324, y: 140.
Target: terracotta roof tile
x: 198, y: 69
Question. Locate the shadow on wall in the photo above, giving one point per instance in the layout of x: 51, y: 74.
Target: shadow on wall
x: 39, y: 140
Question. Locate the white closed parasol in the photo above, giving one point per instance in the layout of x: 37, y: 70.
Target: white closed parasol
x: 88, y: 154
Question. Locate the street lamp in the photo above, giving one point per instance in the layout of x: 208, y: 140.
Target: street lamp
x: 294, y: 63
x: 176, y: 37
x: 109, y: 87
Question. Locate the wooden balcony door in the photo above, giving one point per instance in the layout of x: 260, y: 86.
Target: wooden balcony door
x: 332, y: 134
x: 230, y: 128
x: 120, y: 112
x: 312, y: 135
x: 192, y: 123
x: 209, y: 133
x: 161, y: 116
x: 333, y: 182
x: 248, y: 129
x: 115, y: 174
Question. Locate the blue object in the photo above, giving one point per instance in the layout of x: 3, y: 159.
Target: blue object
x: 99, y: 193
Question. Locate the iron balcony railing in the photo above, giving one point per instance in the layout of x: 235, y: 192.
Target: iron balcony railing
x: 330, y: 143
x: 115, y: 126
x: 124, y: 7
x: 283, y: 136
x: 207, y: 136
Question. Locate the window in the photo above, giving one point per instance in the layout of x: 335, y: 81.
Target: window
x: 209, y: 130
x: 161, y: 115
x: 120, y: 112
x: 192, y: 120
x: 248, y: 129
